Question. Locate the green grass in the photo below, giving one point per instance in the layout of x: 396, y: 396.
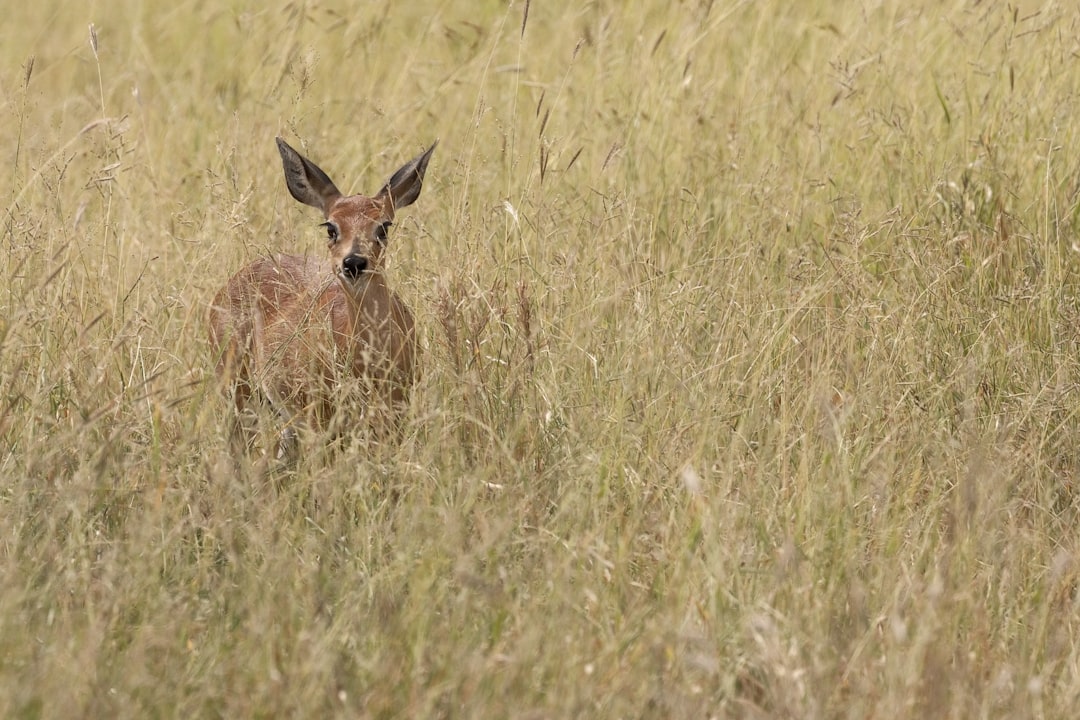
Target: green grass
x: 750, y: 357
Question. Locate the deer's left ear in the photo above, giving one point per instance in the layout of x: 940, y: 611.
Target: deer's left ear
x: 306, y: 180
x: 404, y: 186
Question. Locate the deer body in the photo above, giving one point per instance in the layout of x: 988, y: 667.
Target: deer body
x: 304, y: 334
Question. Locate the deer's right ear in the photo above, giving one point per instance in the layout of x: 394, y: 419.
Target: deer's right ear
x: 306, y: 180
x: 404, y: 186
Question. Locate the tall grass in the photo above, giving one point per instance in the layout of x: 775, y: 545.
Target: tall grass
x: 750, y: 337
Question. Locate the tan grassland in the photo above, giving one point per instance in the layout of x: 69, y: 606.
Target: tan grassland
x: 750, y: 344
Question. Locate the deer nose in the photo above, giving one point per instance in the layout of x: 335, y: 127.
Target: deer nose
x: 353, y: 265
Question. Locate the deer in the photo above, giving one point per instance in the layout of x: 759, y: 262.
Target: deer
x: 309, y: 337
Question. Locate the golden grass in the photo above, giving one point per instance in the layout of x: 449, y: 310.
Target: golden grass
x: 749, y: 382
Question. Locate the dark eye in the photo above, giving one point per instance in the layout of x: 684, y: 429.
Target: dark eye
x: 331, y: 232
x: 380, y: 232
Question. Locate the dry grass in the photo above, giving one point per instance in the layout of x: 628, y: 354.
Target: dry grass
x: 751, y: 342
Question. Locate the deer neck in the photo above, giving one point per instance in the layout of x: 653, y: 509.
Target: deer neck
x: 369, y: 300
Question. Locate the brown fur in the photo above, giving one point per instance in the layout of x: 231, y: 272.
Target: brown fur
x: 296, y: 331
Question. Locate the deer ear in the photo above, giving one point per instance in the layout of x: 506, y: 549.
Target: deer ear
x: 404, y: 186
x: 306, y: 180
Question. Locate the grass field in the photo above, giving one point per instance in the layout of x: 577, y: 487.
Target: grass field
x: 750, y: 337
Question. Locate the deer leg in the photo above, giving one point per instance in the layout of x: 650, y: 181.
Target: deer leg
x: 288, y: 439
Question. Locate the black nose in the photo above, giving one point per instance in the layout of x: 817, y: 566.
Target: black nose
x: 353, y: 265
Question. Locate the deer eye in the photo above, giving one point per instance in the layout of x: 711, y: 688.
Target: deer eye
x: 380, y: 231
x: 331, y: 232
